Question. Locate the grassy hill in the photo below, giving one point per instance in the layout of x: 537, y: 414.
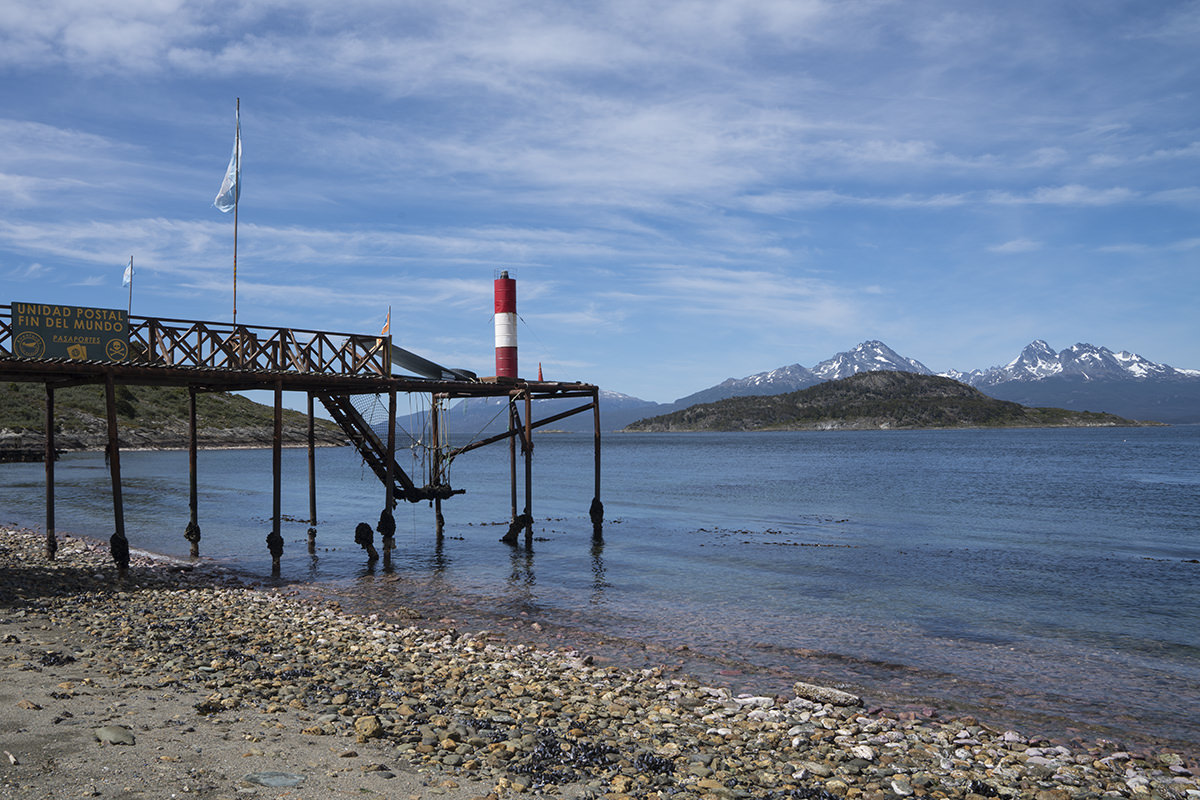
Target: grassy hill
x: 147, y: 417
x: 871, y: 400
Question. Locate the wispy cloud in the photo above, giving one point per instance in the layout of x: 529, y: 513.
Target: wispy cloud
x: 748, y: 297
x: 1068, y: 195
x: 1016, y: 246
x: 29, y: 272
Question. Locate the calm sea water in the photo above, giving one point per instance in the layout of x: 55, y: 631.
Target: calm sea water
x: 1047, y: 578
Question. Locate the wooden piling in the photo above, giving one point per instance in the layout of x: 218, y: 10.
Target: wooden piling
x: 51, y: 539
x: 596, y: 512
x: 435, y: 463
x: 387, y: 523
x: 192, y: 533
x: 312, y: 464
x: 528, y: 469
x: 512, y: 454
x: 274, y: 539
x: 118, y: 545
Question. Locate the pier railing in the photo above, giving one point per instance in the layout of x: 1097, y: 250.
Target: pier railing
x: 217, y: 345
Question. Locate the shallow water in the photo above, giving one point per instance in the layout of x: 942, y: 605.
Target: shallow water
x: 1046, y: 576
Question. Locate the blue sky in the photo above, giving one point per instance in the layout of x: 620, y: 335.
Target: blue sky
x: 685, y: 191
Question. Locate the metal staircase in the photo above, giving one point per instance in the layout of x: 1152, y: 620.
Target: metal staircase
x: 373, y: 450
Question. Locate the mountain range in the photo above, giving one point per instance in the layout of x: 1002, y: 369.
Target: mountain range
x: 1082, y: 377
x: 874, y: 400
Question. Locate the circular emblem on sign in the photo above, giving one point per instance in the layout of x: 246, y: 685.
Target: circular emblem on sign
x: 29, y: 345
x: 116, y: 350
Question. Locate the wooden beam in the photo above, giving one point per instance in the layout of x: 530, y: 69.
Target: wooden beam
x: 518, y: 431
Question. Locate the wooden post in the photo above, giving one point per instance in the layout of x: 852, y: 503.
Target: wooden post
x: 528, y: 469
x: 274, y: 539
x: 192, y: 532
x: 312, y: 478
x: 51, y: 540
x: 517, y: 521
x: 596, y: 512
x: 435, y: 463
x: 387, y: 520
x: 512, y: 453
x: 118, y: 545
x: 312, y: 464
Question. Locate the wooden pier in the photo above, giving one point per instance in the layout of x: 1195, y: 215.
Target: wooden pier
x: 332, y: 368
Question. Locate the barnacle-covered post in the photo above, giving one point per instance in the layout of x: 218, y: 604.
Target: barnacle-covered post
x: 118, y: 545
x: 528, y: 468
x: 274, y: 539
x: 51, y: 540
x: 192, y: 532
x: 596, y: 512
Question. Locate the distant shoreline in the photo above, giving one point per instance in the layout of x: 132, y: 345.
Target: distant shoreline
x: 857, y: 427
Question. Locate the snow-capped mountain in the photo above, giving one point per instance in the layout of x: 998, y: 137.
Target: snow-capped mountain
x: 1038, y: 361
x: 1090, y: 378
x: 870, y: 356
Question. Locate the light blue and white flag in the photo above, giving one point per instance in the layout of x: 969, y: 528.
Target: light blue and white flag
x: 231, y: 187
x: 128, y: 277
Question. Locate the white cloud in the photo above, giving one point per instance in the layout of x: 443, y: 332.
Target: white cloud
x: 1068, y: 195
x: 1016, y: 246
x: 782, y: 202
x: 29, y: 272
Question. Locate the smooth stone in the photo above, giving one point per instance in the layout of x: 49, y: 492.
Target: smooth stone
x: 114, y: 734
x: 825, y: 694
x: 275, y: 780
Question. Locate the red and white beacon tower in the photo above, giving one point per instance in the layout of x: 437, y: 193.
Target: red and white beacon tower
x: 506, y: 326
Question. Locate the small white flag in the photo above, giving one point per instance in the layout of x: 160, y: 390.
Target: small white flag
x: 231, y: 187
x: 128, y: 278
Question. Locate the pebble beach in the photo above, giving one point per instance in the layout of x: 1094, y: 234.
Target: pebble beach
x: 182, y: 681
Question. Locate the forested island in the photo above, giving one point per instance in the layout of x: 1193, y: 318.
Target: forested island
x: 148, y: 417
x: 872, y: 401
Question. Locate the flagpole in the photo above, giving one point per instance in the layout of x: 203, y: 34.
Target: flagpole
x: 236, y: 195
x: 130, y: 311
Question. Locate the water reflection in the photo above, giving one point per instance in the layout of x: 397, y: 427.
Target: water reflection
x: 522, y: 574
x: 440, y: 562
x: 599, y: 575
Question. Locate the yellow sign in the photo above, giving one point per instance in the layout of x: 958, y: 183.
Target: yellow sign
x: 44, y: 331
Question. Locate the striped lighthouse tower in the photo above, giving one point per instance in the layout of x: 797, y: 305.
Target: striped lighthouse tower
x: 506, y: 326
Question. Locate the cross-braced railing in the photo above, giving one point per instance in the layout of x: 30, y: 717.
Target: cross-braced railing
x: 218, y: 345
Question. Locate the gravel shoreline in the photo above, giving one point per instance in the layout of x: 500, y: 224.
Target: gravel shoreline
x: 228, y: 691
